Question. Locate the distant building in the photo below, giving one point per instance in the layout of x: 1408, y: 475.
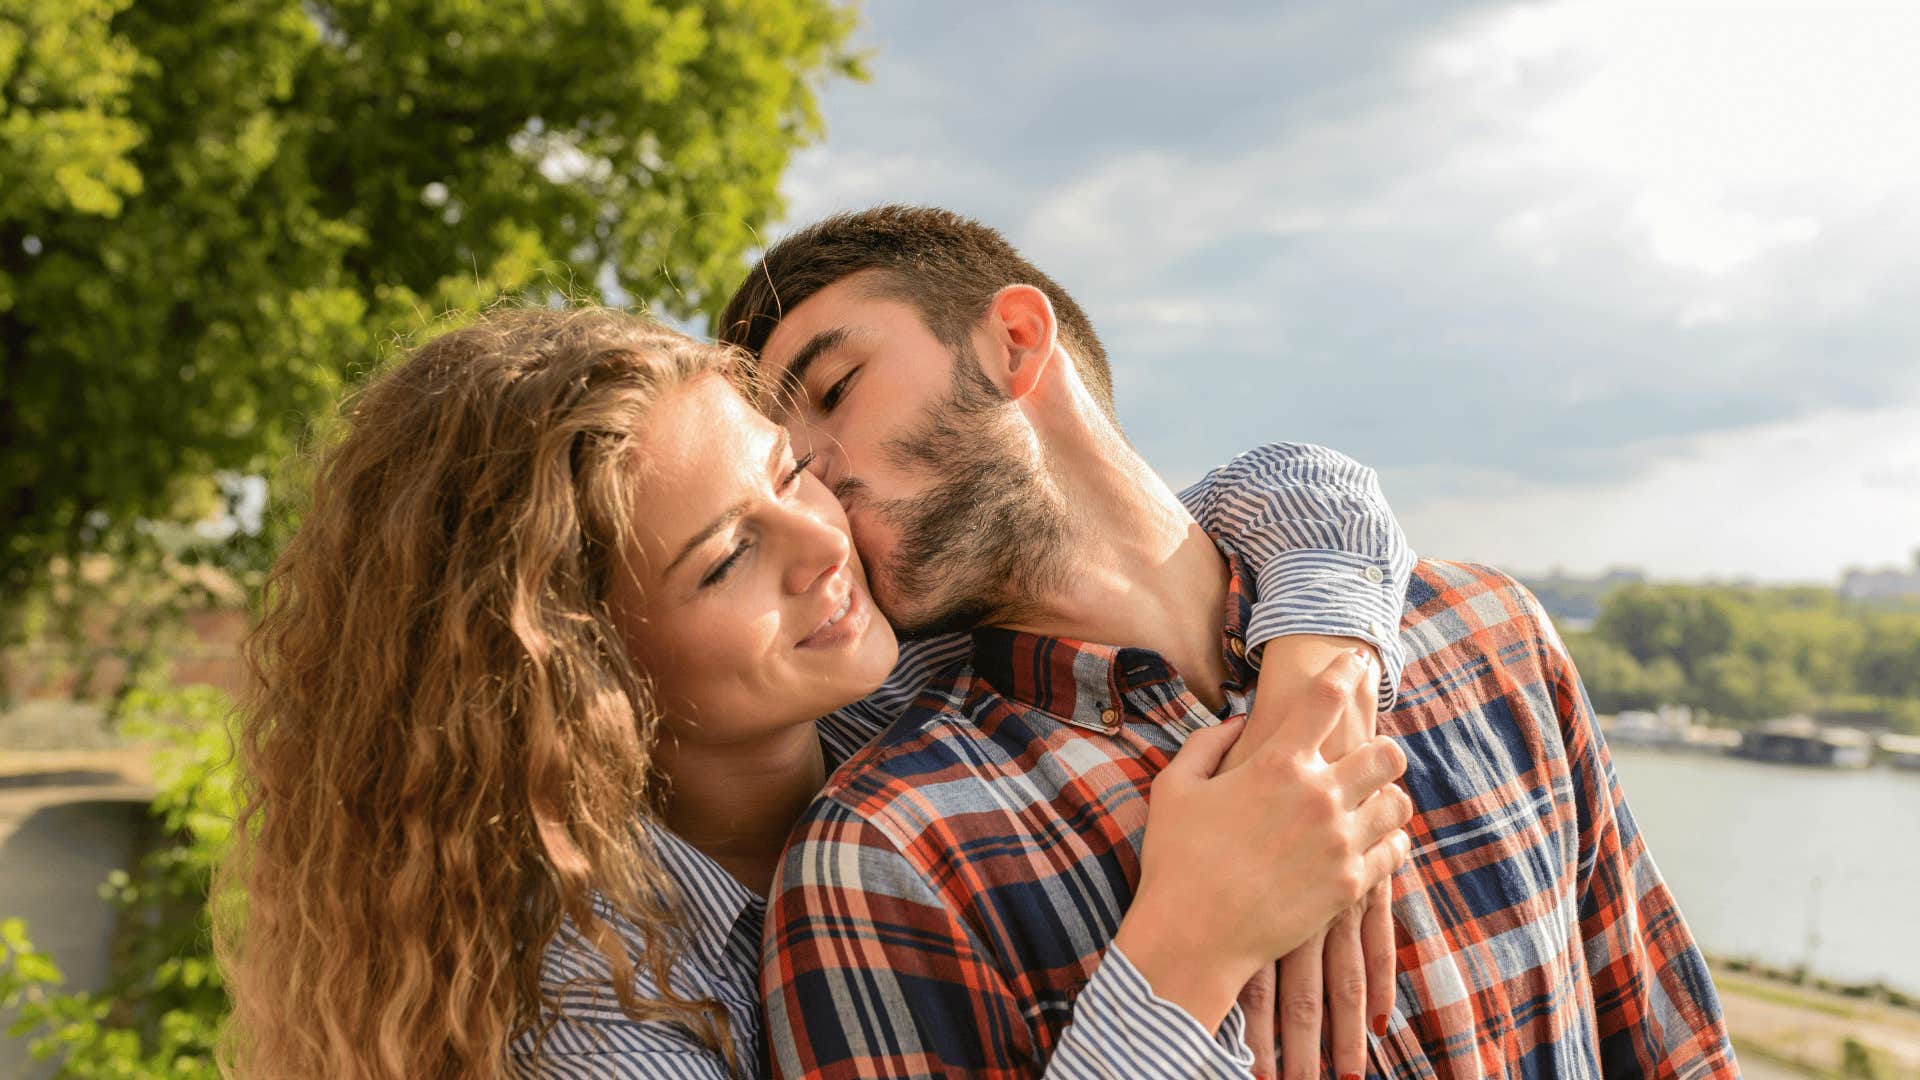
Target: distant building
x: 1670, y: 727
x: 1573, y: 601
x: 1882, y: 584
x: 1902, y: 750
x: 1665, y: 727
x: 1798, y: 740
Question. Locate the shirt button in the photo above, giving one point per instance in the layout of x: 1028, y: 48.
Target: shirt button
x: 1237, y: 647
x: 1110, y: 717
x: 1373, y: 574
x: 1375, y: 629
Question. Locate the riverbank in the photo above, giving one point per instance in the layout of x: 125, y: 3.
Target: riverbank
x: 1811, y: 1032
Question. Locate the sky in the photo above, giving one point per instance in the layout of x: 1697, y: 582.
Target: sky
x: 1588, y: 283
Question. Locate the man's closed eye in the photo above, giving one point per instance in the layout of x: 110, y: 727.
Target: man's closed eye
x: 838, y: 391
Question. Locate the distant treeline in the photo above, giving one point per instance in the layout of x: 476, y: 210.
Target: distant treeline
x: 1745, y: 653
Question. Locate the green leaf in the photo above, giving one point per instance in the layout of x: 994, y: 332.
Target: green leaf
x: 35, y: 968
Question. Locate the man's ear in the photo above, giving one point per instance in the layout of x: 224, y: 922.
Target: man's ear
x: 1021, y: 319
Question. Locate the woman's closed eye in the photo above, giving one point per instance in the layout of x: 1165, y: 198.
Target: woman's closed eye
x: 799, y: 467
x: 726, y: 566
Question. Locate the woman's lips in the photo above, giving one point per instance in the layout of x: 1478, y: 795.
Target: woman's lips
x: 842, y: 625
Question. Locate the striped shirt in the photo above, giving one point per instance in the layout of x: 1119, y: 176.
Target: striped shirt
x: 957, y: 883
x: 1330, y: 559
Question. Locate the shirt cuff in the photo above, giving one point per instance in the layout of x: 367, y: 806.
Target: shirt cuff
x: 1122, y: 1029
x: 1337, y: 593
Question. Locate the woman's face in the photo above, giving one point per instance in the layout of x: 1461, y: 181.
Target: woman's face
x: 747, y: 604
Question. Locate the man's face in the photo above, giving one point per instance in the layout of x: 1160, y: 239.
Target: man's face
x: 935, y: 466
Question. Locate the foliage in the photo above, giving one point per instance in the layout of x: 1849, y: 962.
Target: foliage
x: 212, y: 214
x: 108, y: 624
x: 1750, y: 653
x: 162, y: 1015
x: 1616, y: 681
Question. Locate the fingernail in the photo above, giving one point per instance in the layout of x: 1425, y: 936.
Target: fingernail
x: 1349, y: 1076
x: 1380, y: 1025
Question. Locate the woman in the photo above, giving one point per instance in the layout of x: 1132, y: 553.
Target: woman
x: 480, y: 676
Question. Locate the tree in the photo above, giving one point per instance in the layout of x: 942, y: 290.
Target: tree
x: 214, y: 215
x: 1737, y: 687
x: 1616, y: 681
x: 1889, y: 665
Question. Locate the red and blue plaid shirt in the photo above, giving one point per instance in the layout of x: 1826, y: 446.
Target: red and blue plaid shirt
x: 958, y: 882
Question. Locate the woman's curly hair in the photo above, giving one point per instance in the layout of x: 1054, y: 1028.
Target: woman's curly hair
x: 446, y: 749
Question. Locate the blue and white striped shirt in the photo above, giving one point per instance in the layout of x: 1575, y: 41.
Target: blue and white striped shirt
x: 1329, y: 558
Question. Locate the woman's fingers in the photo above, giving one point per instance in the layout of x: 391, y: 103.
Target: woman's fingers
x: 1346, y: 978
x: 1324, y: 705
x: 1301, y: 997
x: 1387, y: 810
x: 1376, y: 944
x: 1204, y: 750
x: 1378, y: 762
x: 1385, y: 857
x: 1256, y: 1003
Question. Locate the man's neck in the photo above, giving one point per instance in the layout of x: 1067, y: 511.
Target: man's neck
x: 737, y: 802
x: 1141, y: 572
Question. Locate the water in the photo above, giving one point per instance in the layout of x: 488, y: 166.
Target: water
x: 1787, y: 865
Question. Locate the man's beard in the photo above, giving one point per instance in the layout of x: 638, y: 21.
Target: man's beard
x: 988, y: 538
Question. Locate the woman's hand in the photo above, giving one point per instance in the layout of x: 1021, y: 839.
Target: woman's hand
x: 1241, y: 868
x: 1341, y: 981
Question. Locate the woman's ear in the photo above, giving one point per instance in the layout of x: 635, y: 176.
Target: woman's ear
x: 1022, y: 320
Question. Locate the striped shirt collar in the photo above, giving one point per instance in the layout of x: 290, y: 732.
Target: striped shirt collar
x: 1095, y: 686
x: 720, y: 911
x: 718, y: 908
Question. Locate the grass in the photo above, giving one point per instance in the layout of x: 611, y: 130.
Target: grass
x: 1781, y: 995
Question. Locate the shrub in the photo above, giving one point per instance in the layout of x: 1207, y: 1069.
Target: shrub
x: 160, y: 1014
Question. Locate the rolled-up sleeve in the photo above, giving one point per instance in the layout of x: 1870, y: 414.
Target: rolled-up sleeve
x: 1324, y: 547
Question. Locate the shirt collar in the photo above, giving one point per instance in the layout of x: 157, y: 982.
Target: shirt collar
x: 716, y: 902
x: 720, y: 909
x: 1091, y: 685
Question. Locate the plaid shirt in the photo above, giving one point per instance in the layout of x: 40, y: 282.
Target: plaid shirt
x: 957, y: 883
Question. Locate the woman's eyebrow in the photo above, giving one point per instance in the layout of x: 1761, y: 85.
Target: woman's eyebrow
x: 735, y: 512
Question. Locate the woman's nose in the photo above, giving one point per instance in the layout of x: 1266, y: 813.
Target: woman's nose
x: 820, y: 549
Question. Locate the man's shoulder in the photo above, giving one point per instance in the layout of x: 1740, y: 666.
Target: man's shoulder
x: 1450, y: 602
x: 1464, y: 620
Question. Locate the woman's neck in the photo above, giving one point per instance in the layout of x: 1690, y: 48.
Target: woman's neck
x: 736, y: 802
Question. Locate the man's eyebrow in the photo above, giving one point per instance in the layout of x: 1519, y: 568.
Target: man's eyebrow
x: 792, y: 380
x: 735, y: 512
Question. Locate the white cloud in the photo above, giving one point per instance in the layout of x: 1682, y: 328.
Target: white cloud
x: 1796, y: 500
x: 1735, y: 126
x: 828, y: 179
x: 1551, y: 248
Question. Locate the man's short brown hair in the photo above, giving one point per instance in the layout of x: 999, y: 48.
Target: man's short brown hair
x: 945, y: 265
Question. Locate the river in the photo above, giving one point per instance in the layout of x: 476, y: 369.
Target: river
x: 1787, y: 865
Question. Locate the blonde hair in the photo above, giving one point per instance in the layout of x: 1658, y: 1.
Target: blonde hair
x: 447, y: 747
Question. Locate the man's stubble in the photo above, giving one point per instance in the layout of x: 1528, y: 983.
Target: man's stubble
x: 990, y: 537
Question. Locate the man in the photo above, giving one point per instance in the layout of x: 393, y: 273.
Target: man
x: 930, y: 919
